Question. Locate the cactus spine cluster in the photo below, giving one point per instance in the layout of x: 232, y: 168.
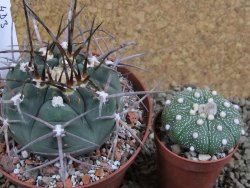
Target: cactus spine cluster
x: 202, y: 121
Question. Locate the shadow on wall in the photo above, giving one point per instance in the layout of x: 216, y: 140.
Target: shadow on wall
x: 202, y: 42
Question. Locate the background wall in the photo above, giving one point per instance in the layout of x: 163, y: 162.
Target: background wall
x: 202, y: 42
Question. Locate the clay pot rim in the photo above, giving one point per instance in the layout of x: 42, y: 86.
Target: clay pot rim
x: 123, y: 167
x: 183, y: 158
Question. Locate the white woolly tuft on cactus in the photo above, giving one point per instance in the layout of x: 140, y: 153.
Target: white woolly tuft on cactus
x: 192, y: 112
x: 219, y: 128
x: 58, y: 131
x: 117, y: 117
x: 167, y: 127
x: 93, y: 61
x: 178, y: 117
x: 17, y: 99
x: 197, y: 94
x: 200, y: 122
x: 57, y: 101
x: 5, y: 122
x: 168, y: 102
x: 108, y: 62
x: 226, y: 104
x: 102, y: 96
x: 44, y: 50
x: 195, y: 107
x: 236, y: 121
x: 24, y: 67
x: 203, y: 115
x: 192, y: 148
x: 180, y: 100
x: 223, y: 114
x: 189, y: 88
x: 224, y: 141
x: 210, y: 117
x: 214, y: 93
x: 64, y: 45
x: 210, y: 100
x: 195, y: 135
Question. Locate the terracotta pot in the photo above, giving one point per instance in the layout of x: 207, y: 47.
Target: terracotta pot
x: 115, y: 179
x: 178, y: 172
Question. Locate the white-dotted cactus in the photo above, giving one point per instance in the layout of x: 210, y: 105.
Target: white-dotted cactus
x: 202, y: 121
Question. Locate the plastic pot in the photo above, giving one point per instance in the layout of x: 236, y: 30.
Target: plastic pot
x: 179, y: 172
x: 115, y: 179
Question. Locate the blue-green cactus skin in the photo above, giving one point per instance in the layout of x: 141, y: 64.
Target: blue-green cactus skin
x: 205, y: 131
x: 38, y: 102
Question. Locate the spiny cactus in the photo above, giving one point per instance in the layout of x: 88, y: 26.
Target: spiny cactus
x: 60, y: 100
x: 57, y: 93
x: 53, y: 97
x: 202, y: 121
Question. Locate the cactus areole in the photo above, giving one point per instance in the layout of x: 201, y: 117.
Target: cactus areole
x: 202, y: 121
x: 57, y: 97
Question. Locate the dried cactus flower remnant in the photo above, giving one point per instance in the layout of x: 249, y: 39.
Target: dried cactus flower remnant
x: 202, y: 121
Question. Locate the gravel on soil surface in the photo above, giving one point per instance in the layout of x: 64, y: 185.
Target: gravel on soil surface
x: 143, y: 173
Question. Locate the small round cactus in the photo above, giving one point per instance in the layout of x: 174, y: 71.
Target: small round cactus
x: 202, y: 121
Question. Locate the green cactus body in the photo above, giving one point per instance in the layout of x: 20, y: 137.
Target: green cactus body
x: 37, y: 100
x: 203, y: 121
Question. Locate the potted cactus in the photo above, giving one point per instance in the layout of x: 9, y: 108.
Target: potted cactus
x: 65, y: 105
x: 196, y: 134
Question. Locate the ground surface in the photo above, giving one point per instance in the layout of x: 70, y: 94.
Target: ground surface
x: 143, y: 173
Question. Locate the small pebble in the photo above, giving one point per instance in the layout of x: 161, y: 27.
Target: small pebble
x: 176, y: 149
x: 91, y: 172
x: 194, y: 159
x: 204, y: 157
x: 117, y: 163
x: 214, y: 158
x: 77, y: 173
x: 193, y: 154
x: 237, y: 155
x: 151, y: 136
x: 187, y: 155
x: 16, y: 171
x: 57, y: 165
x: 221, y: 155
x: 25, y: 154
x: 114, y: 167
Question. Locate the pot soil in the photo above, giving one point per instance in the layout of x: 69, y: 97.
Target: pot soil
x: 115, y: 179
x: 179, y: 172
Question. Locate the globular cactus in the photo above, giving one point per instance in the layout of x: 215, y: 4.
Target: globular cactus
x: 61, y: 100
x: 57, y: 101
x: 202, y: 121
x: 56, y: 92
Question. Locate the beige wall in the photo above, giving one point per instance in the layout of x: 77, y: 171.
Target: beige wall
x: 202, y: 42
